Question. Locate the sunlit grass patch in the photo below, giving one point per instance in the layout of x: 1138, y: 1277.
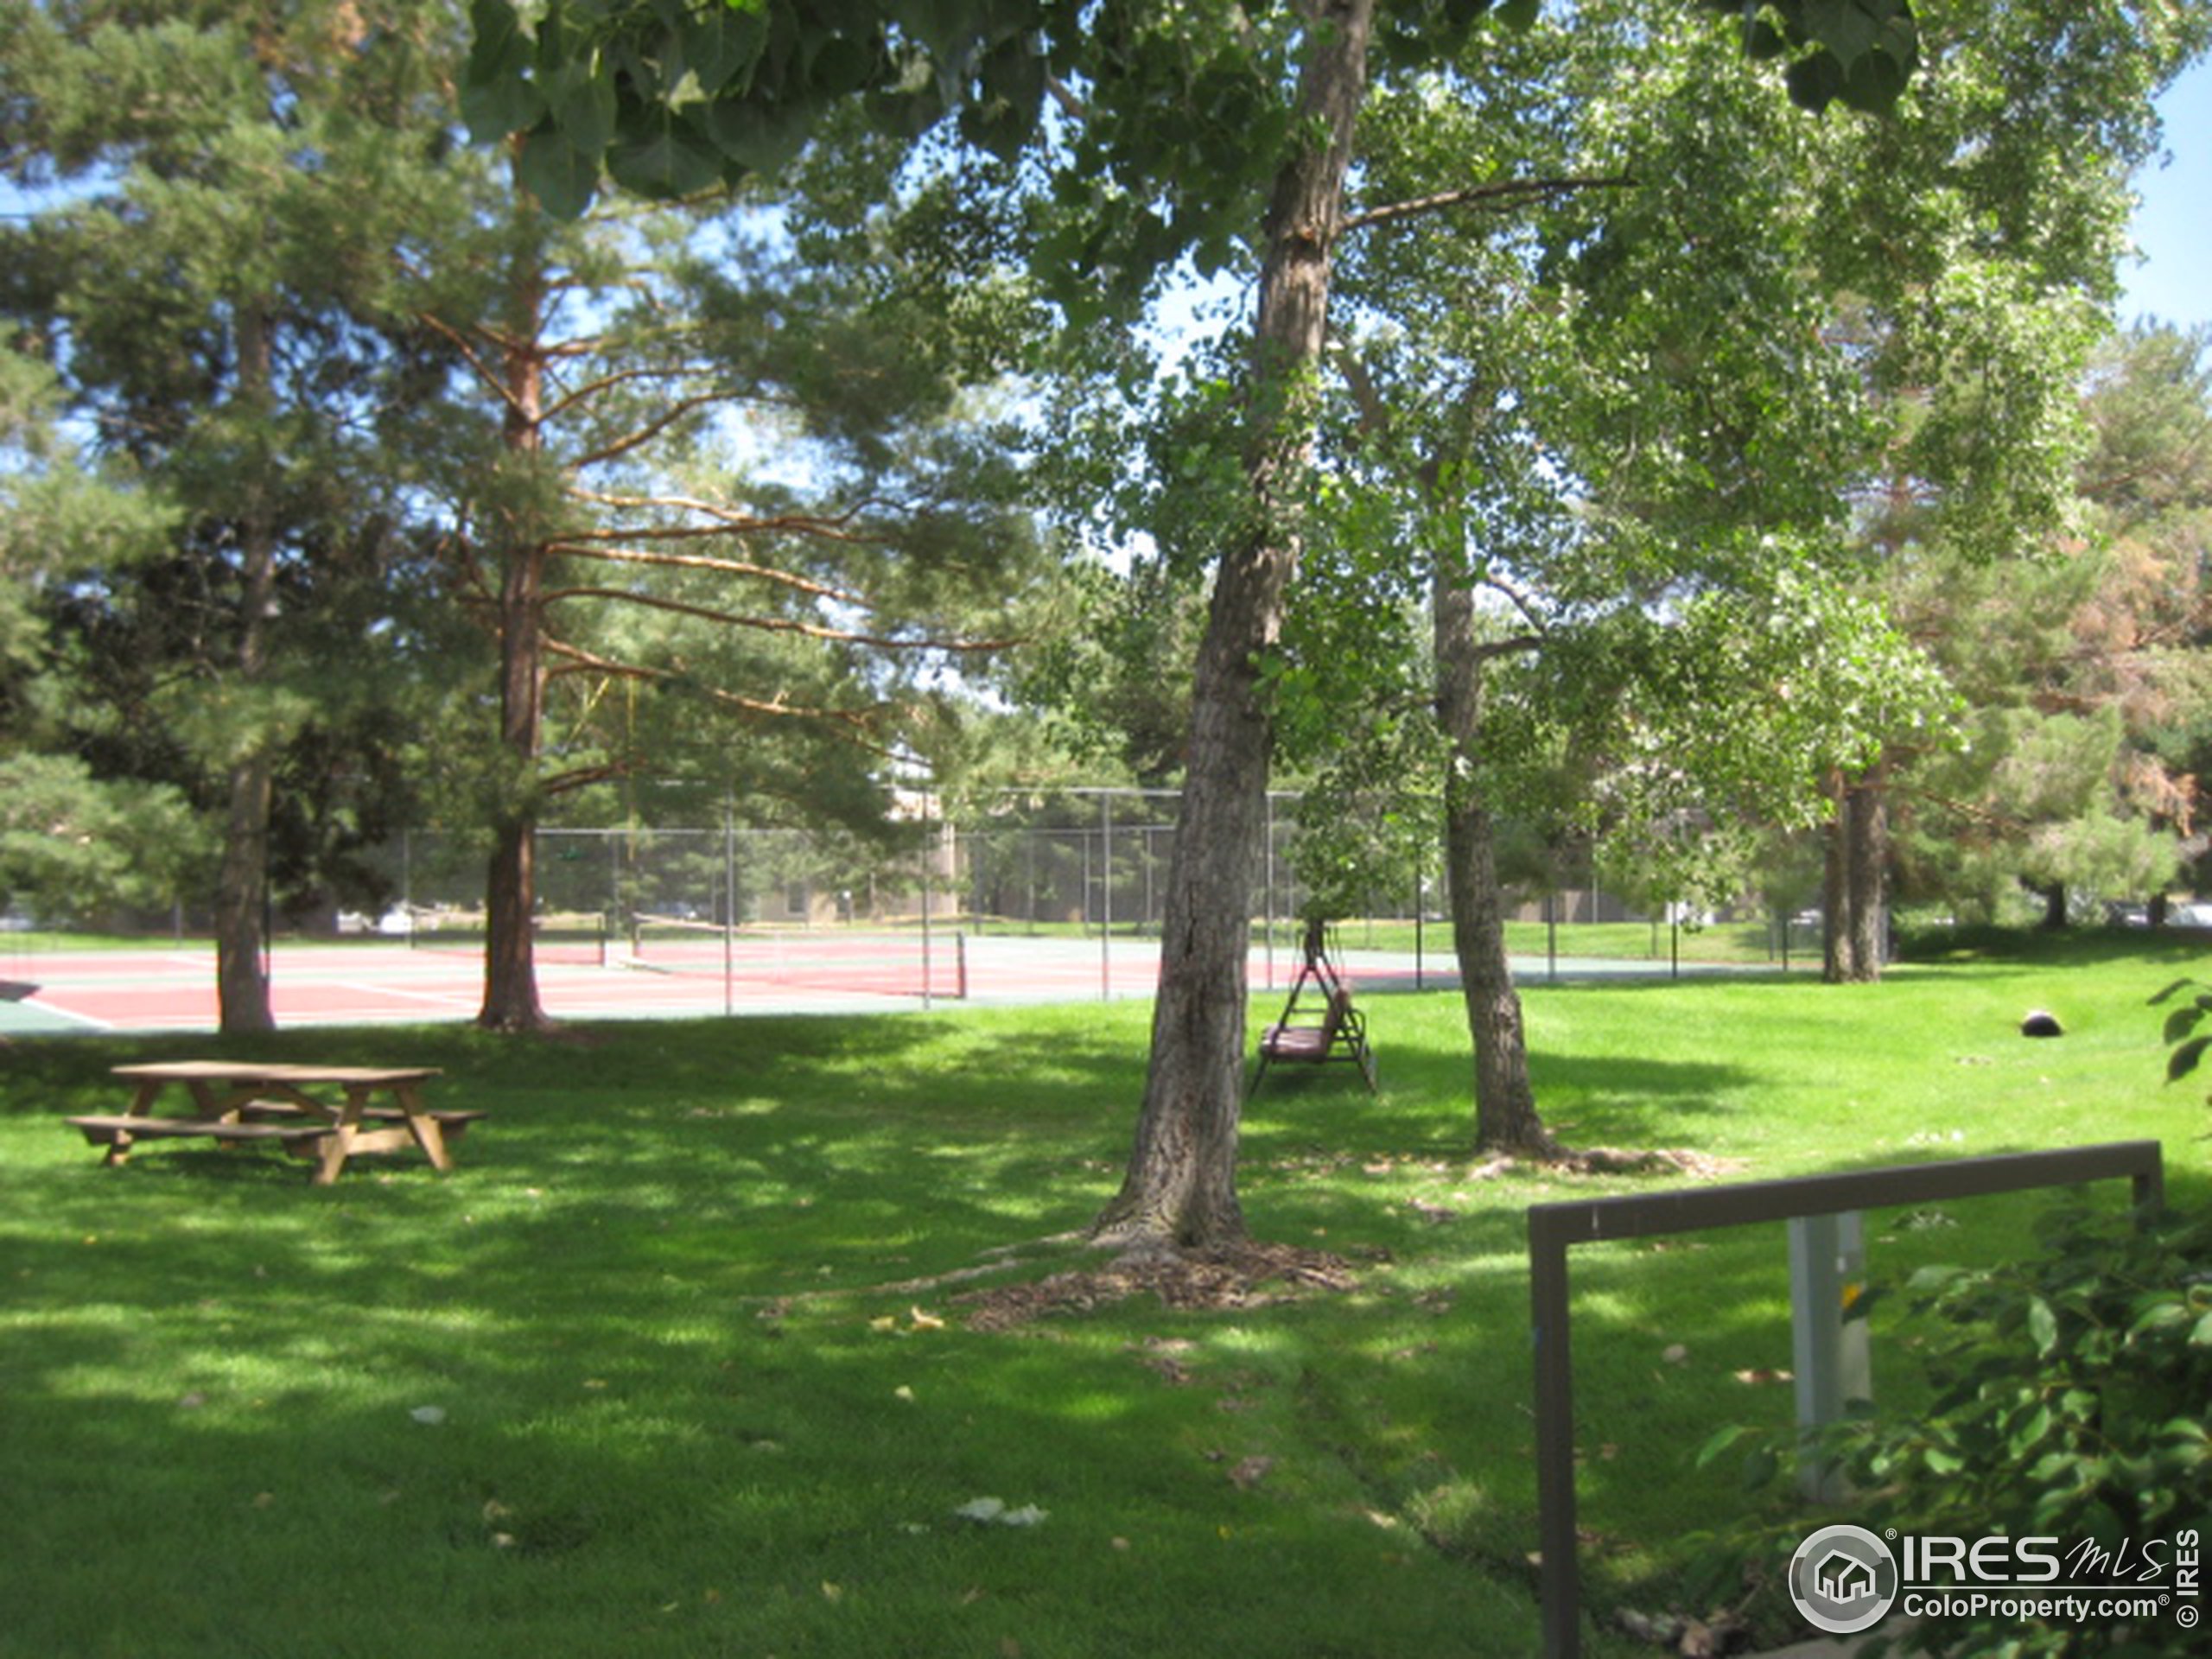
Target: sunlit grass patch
x: 677, y: 1361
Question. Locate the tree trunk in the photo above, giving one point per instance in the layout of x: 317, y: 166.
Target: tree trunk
x: 242, y: 878
x: 1837, y: 964
x: 2055, y: 916
x: 241, y: 901
x: 1506, y: 1119
x: 1180, y: 1188
x: 510, y: 1000
x: 1870, y: 865
x: 1854, y: 880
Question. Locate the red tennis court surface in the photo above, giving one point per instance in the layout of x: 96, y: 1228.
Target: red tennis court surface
x: 377, y: 981
x: 371, y: 981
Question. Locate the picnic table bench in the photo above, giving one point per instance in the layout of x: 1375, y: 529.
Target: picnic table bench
x: 237, y: 1102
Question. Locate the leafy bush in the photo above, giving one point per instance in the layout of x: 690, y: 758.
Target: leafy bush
x: 2070, y: 1396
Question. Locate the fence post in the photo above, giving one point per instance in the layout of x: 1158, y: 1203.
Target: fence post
x: 1105, y: 894
x: 1828, y: 1345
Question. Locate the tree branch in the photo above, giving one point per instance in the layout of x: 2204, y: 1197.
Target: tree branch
x: 823, y: 526
x: 639, y: 437
x: 778, y: 625
x: 701, y: 562
x: 1495, y: 196
x: 484, y: 372
x: 851, y: 724
x: 585, y: 391
x: 1518, y: 643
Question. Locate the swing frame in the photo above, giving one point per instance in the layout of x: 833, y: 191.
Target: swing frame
x: 1308, y: 1035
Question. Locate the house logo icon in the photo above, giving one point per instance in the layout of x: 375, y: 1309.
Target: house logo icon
x: 1843, y: 1579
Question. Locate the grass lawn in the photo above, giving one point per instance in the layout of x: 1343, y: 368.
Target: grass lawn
x: 671, y: 1364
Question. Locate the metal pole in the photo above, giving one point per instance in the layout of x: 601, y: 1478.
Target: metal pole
x: 729, y: 904
x: 929, y: 896
x: 1419, y: 907
x: 1558, y: 1567
x: 1828, y: 1348
x: 1268, y: 899
x: 1105, y: 894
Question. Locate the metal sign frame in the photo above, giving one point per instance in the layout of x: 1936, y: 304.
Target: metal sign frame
x: 1554, y: 1227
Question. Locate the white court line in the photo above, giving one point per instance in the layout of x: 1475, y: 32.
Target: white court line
x: 442, y: 999
x: 44, y: 1007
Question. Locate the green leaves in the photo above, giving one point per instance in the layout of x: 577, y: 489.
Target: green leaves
x: 2068, y: 1397
x: 2188, y: 1050
x: 1859, y: 53
x: 664, y: 154
x: 497, y: 94
x: 559, y: 176
x: 668, y: 97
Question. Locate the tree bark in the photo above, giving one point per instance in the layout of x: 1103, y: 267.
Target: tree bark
x: 1180, y: 1187
x: 242, y: 878
x: 1506, y: 1119
x: 241, y: 901
x: 510, y: 998
x: 1855, y: 879
x: 2055, y: 908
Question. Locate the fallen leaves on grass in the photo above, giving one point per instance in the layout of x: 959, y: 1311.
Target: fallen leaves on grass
x: 1612, y: 1160
x: 1231, y: 1276
x: 1693, y: 1638
x: 1250, y: 1472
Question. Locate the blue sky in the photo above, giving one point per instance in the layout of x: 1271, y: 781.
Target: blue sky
x: 2173, y: 225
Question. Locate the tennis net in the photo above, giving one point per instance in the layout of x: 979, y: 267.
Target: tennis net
x: 910, y: 960
x: 578, y: 936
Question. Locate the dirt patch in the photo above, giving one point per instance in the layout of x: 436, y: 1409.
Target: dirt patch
x: 1253, y: 1275
x: 1612, y: 1160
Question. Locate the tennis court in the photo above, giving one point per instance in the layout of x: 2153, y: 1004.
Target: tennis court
x: 377, y: 981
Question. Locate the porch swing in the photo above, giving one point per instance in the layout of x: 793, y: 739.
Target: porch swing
x: 1319, y: 1023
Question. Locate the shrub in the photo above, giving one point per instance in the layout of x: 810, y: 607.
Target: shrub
x: 2070, y: 1396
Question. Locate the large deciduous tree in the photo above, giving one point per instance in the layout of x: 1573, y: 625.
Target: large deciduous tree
x: 1193, y: 133
x: 1607, y: 388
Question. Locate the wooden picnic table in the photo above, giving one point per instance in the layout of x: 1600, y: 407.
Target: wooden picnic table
x: 324, y: 1112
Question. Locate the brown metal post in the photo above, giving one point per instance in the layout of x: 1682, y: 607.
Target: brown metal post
x: 1558, y: 1569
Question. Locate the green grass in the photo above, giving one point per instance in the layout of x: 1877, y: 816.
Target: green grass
x: 665, y: 1313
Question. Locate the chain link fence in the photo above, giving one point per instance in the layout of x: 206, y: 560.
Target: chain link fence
x: 1088, y: 863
